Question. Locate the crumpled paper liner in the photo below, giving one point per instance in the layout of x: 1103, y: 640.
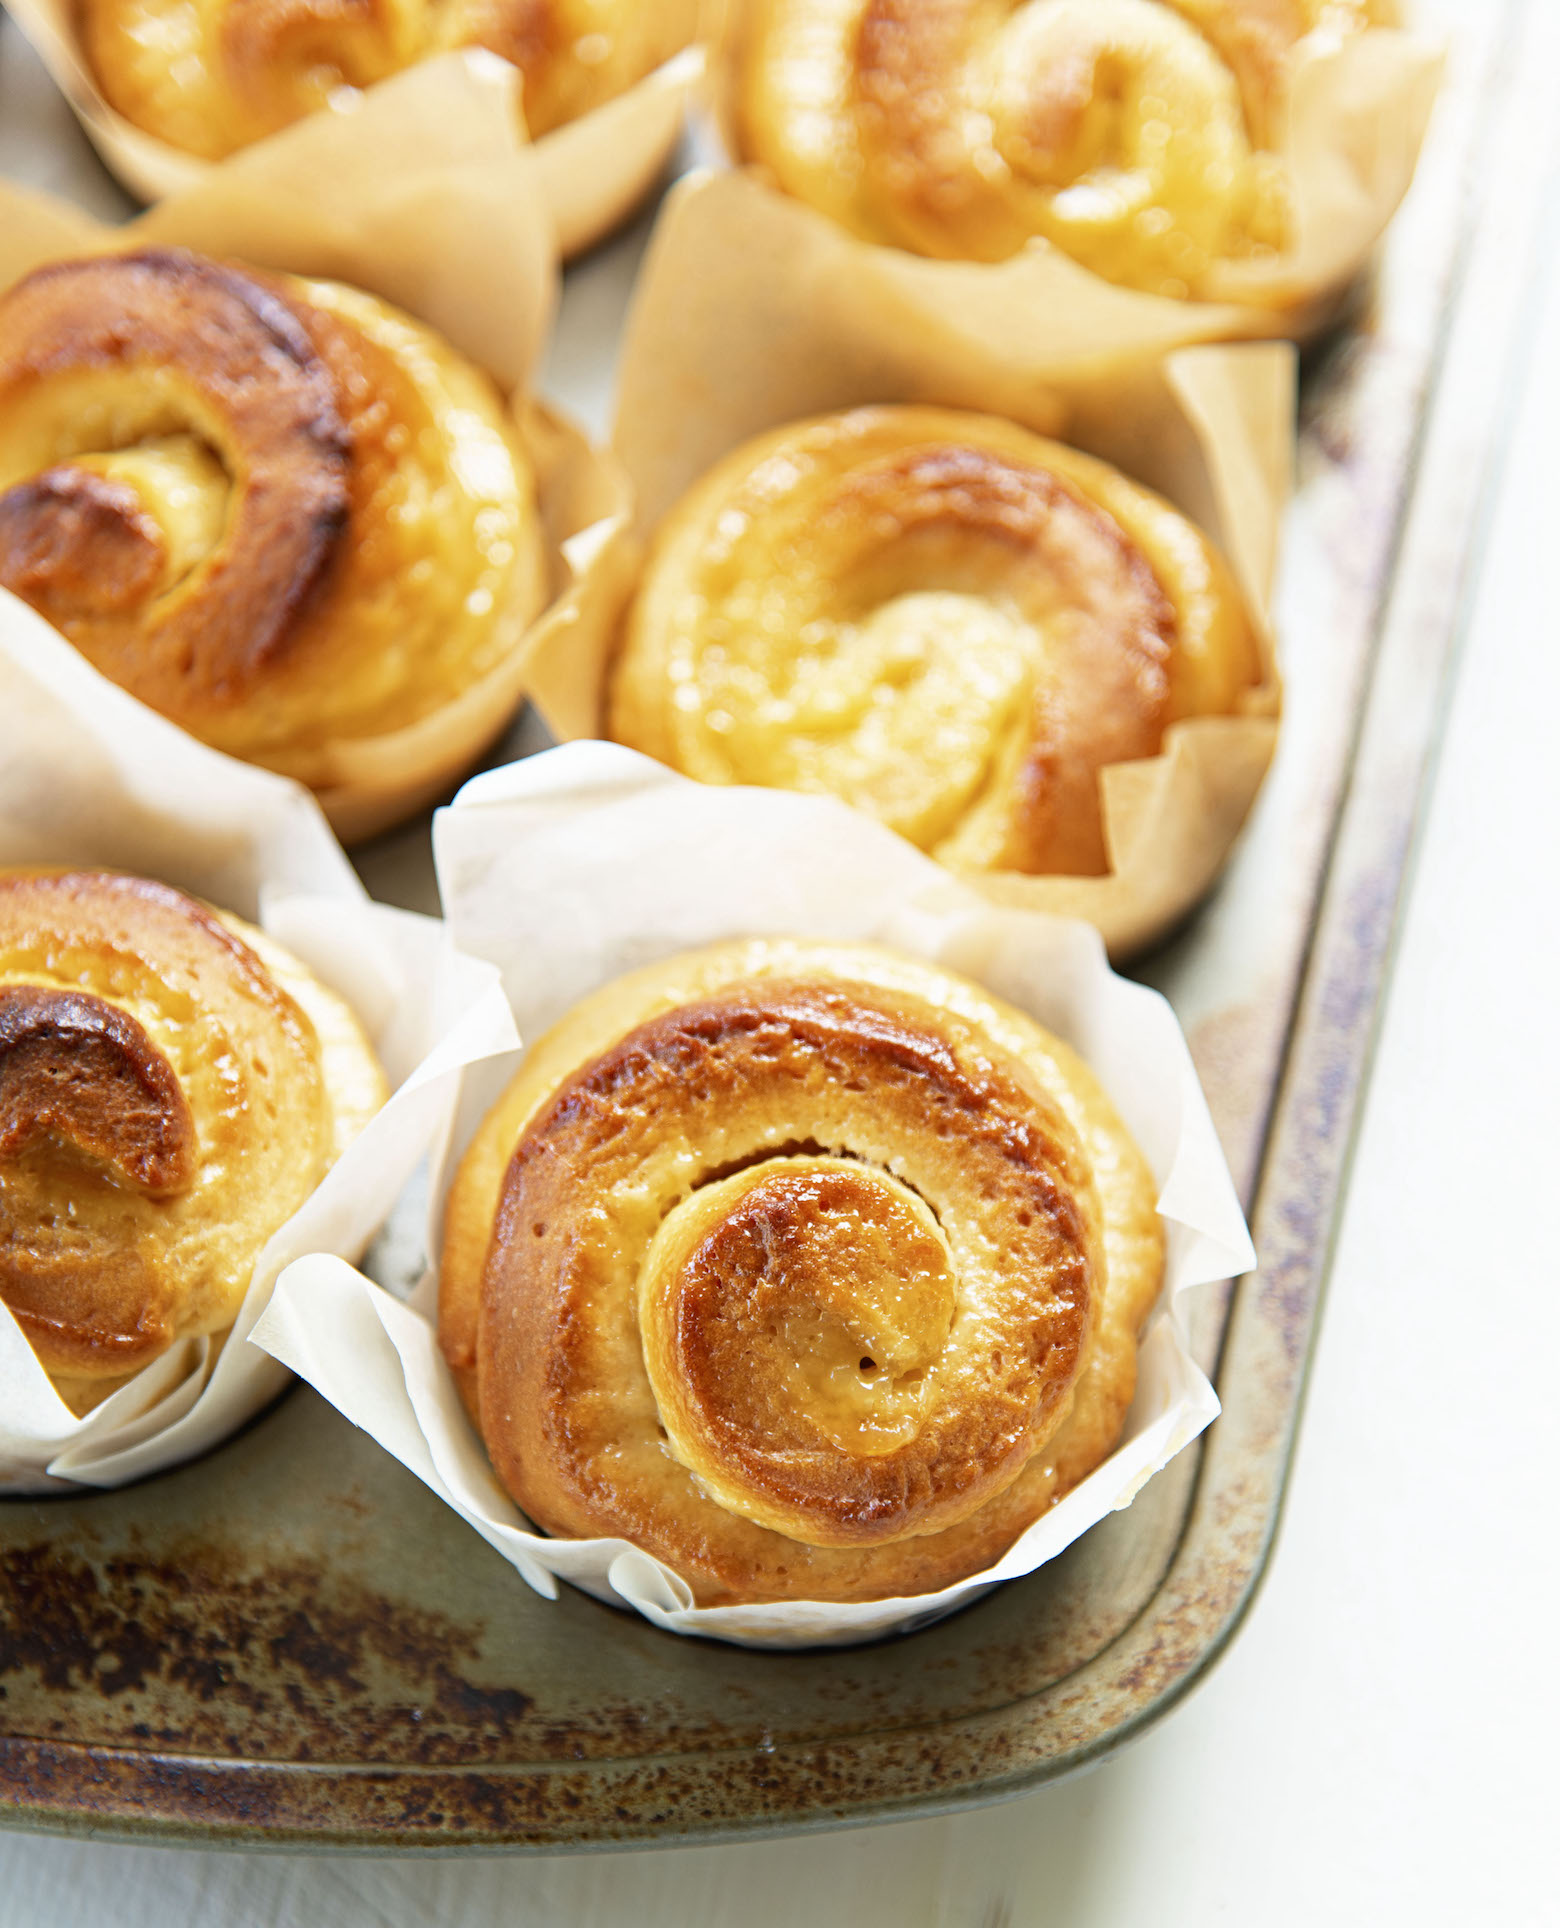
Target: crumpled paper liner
x: 1355, y: 121
x: 573, y: 867
x: 596, y: 170
x: 751, y: 313
x: 90, y: 776
x: 591, y: 173
x: 425, y: 196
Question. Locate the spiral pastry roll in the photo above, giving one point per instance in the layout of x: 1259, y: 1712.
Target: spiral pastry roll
x: 173, y: 1086
x: 277, y: 511
x: 945, y: 620
x: 812, y: 1270
x: 1136, y: 135
x: 210, y: 76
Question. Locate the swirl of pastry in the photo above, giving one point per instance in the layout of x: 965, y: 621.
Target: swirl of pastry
x: 1136, y: 135
x: 815, y: 1271
x: 277, y: 511
x: 211, y: 76
x: 947, y: 621
x: 173, y: 1085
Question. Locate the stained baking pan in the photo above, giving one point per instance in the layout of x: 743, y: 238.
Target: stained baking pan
x: 292, y: 1642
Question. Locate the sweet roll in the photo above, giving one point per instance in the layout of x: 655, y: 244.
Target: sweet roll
x: 1139, y: 136
x: 173, y: 1086
x: 814, y: 1271
x: 947, y: 621
x: 211, y: 76
x: 278, y: 511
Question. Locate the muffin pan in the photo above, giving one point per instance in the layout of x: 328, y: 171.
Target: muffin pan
x: 292, y: 1642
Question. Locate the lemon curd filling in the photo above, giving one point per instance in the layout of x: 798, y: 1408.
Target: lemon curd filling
x: 947, y: 621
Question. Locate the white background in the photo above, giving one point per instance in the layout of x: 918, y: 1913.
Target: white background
x: 1379, y: 1744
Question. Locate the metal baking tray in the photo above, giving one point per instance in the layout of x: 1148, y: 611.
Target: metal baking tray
x: 292, y: 1642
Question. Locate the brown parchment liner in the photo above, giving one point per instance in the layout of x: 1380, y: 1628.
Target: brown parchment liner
x: 426, y: 197
x: 592, y: 172
x: 1352, y: 128
x: 751, y: 313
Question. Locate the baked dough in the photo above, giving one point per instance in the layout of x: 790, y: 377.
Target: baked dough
x: 278, y: 511
x: 1138, y: 136
x: 813, y: 1270
x: 951, y: 623
x: 211, y: 76
x: 173, y: 1086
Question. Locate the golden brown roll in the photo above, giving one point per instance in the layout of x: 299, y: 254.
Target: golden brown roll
x: 286, y: 516
x: 1138, y: 136
x: 815, y: 1271
x: 940, y: 617
x: 173, y: 1086
x: 210, y: 76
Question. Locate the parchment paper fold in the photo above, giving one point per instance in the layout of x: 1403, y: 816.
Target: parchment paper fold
x: 570, y: 868
x: 750, y: 312
x: 1354, y: 121
x: 89, y: 776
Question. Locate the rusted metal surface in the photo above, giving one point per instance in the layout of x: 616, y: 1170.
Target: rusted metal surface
x: 292, y: 1642
x: 248, y: 1650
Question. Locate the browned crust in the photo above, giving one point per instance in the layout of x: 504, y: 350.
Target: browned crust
x: 258, y: 36
x: 69, y: 1320
x: 523, y: 32
x: 765, y: 1261
x: 906, y: 55
x: 907, y: 52
x: 1254, y: 38
x: 247, y: 356
x: 84, y: 1071
x: 1108, y: 700
x: 940, y: 512
x: 94, y: 1302
x: 72, y: 540
x: 30, y: 896
x: 543, y: 1305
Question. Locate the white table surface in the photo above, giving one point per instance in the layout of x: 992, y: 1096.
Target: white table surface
x: 1379, y: 1743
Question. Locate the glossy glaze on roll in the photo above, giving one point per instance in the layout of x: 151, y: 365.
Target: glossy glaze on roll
x: 815, y: 1271
x: 944, y: 619
x: 277, y: 511
x: 173, y: 1086
x: 1138, y: 136
x: 211, y: 76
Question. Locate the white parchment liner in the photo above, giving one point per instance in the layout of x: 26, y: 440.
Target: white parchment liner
x: 424, y: 195
x: 90, y: 776
x: 571, y: 868
x: 751, y: 313
x: 1354, y: 122
x: 591, y: 172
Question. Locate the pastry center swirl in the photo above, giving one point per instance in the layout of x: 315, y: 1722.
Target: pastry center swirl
x: 858, y: 1253
x: 951, y: 638
x: 162, y: 1109
x: 1114, y: 129
x: 190, y: 442
x: 1144, y: 138
x: 80, y: 1070
x: 802, y: 1304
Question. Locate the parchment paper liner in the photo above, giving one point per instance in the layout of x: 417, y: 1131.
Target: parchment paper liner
x: 591, y: 172
x: 90, y: 776
x: 425, y: 196
x: 719, y: 349
x: 1355, y: 121
x: 572, y: 867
